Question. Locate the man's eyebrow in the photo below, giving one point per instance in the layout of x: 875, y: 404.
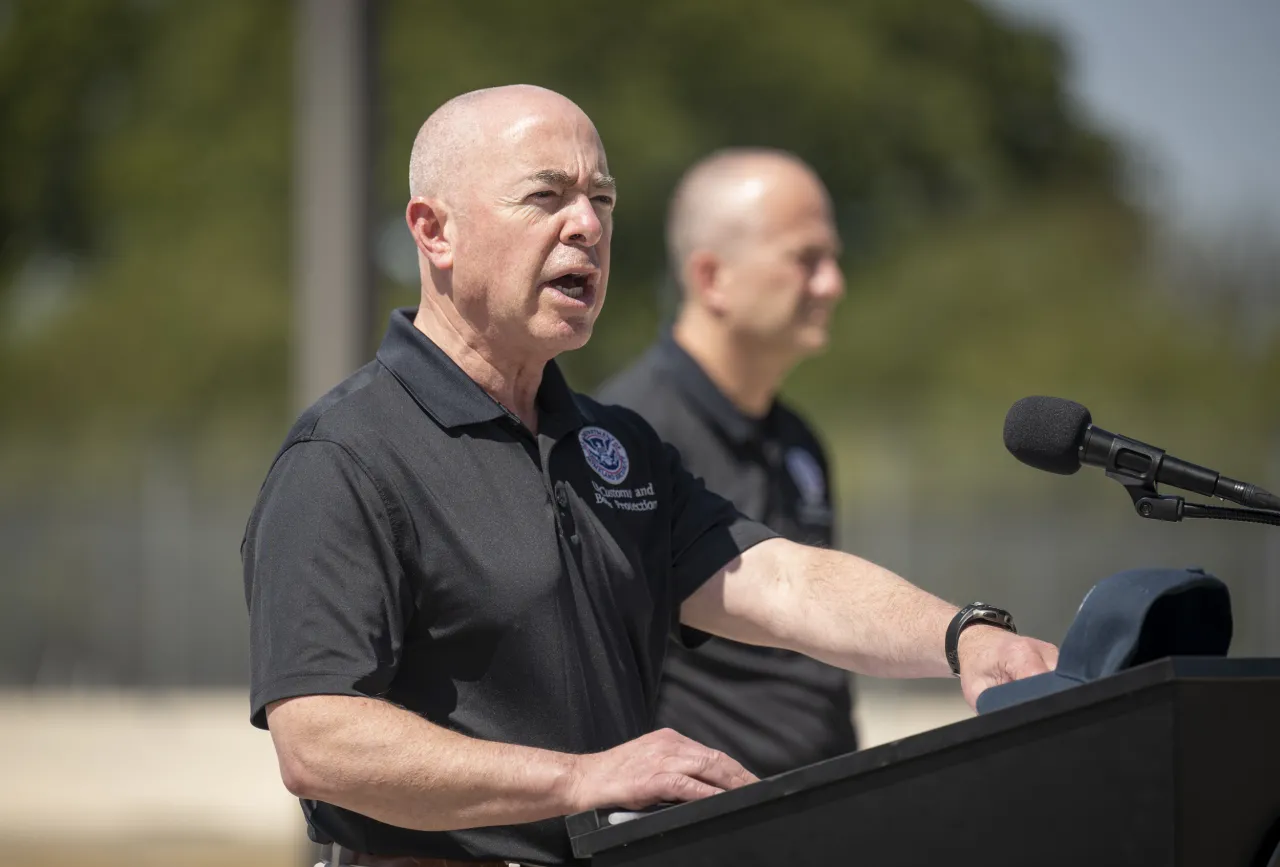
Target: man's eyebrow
x: 561, y: 178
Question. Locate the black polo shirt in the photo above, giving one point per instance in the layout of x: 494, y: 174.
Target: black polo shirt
x: 415, y: 542
x: 772, y: 710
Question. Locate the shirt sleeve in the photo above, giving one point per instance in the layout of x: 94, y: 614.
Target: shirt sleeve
x: 328, y: 599
x: 707, y: 531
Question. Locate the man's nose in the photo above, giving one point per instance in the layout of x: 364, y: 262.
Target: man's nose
x: 582, y: 225
x: 828, y: 282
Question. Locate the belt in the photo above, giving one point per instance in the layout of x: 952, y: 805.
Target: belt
x: 361, y: 860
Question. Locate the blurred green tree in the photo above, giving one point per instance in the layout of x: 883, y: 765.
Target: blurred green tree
x: 144, y: 205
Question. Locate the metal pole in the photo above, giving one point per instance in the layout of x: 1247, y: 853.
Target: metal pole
x: 332, y: 194
x: 1271, y: 606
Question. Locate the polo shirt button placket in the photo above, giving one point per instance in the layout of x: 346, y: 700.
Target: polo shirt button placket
x: 566, y: 525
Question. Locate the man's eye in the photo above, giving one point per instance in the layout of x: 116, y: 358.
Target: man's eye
x: 604, y: 200
x: 543, y: 194
x: 810, y: 259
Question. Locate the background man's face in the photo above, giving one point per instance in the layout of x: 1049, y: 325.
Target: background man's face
x: 532, y: 249
x: 782, y: 276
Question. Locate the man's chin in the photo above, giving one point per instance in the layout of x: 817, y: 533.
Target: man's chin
x: 812, y: 341
x: 566, y: 335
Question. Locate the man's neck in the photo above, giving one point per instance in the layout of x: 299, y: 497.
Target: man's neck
x: 512, y: 383
x: 749, y: 378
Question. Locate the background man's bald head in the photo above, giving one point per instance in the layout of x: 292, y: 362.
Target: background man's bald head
x: 717, y: 202
x: 460, y: 126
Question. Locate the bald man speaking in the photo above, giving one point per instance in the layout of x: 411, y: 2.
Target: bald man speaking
x: 754, y: 248
x: 461, y: 574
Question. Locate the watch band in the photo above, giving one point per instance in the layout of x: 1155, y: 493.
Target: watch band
x: 976, y: 612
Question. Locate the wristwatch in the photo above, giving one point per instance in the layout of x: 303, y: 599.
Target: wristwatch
x: 977, y: 612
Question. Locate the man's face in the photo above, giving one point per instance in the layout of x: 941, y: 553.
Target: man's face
x: 781, y: 278
x: 533, y: 227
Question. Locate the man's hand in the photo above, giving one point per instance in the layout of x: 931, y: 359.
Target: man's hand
x: 660, y: 766
x: 990, y: 656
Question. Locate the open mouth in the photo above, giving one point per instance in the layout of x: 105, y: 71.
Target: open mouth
x: 575, y: 286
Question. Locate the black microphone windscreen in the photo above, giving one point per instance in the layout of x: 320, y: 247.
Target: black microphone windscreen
x: 1045, y: 433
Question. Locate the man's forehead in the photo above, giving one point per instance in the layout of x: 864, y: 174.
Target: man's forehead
x: 771, y: 202
x: 537, y: 144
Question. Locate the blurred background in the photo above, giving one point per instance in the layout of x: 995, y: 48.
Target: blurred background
x: 201, y: 230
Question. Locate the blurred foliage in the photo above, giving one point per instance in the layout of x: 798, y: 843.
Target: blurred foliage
x: 143, y: 268
x: 145, y: 238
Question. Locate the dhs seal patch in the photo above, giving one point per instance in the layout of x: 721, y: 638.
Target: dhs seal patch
x: 604, y: 454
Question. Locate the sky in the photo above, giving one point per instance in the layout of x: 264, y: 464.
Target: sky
x: 1193, y: 83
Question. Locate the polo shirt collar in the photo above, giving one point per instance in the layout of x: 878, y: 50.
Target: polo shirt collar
x: 559, y: 409
x: 450, y: 397
x: 706, y: 396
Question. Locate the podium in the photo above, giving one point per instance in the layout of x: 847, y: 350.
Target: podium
x: 1175, y: 762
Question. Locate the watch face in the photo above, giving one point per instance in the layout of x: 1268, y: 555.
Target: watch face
x: 995, y: 616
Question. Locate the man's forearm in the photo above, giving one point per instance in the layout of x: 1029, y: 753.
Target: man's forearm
x: 389, y: 764
x: 832, y: 606
x: 856, y: 615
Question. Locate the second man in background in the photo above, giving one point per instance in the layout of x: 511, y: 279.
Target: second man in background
x: 753, y: 245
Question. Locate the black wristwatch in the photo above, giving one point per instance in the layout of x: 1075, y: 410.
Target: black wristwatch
x: 977, y: 612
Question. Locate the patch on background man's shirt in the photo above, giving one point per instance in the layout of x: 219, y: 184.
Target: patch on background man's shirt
x: 807, y: 474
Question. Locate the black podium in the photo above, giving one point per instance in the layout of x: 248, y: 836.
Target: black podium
x: 1176, y: 762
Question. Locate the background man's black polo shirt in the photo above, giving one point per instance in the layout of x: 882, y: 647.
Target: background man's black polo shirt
x: 772, y: 710
x: 414, y: 541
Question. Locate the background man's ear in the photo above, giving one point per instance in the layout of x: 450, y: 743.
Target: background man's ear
x: 702, y: 279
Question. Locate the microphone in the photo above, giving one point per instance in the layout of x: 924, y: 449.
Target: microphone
x: 1058, y: 436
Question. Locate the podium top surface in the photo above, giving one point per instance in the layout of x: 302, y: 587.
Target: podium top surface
x: 593, y: 831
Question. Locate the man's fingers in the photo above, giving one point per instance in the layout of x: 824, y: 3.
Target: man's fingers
x: 722, y: 771
x: 681, y: 787
x: 667, y: 766
x: 1029, y: 666
x: 1037, y: 658
x: 1049, y: 654
x: 710, y: 766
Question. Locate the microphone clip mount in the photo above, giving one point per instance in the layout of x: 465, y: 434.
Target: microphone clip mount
x: 1149, y: 503
x: 1147, y: 500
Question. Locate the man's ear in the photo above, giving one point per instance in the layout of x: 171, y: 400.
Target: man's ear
x: 703, y: 276
x: 427, y: 219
